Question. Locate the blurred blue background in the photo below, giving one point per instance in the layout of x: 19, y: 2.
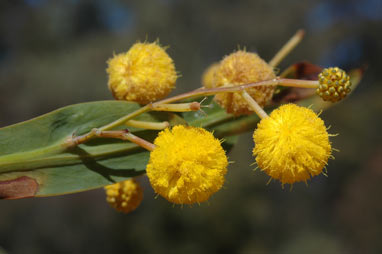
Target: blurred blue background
x: 54, y: 53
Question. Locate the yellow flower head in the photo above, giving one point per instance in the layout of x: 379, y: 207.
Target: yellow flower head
x: 187, y: 166
x: 143, y: 74
x: 241, y: 68
x: 292, y: 144
x: 334, y: 84
x: 124, y: 196
x: 209, y: 75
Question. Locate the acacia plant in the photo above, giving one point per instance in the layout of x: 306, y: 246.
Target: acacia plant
x: 181, y: 142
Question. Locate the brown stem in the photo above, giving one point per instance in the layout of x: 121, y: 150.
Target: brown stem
x: 232, y: 89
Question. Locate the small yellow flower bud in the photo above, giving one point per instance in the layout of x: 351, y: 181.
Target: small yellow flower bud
x: 187, y: 166
x: 292, y: 144
x: 334, y: 84
x: 241, y: 68
x: 124, y: 196
x: 209, y: 75
x: 144, y: 74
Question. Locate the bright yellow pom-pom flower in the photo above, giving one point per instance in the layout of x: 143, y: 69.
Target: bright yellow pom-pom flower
x: 292, y: 144
x: 144, y: 74
x: 241, y: 68
x: 124, y: 196
x: 187, y: 166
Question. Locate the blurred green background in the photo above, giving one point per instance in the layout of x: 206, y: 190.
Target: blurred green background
x: 54, y: 53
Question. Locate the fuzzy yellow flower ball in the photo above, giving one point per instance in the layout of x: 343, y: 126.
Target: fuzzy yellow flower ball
x: 124, y: 196
x: 241, y: 68
x: 187, y: 166
x: 292, y: 144
x: 144, y: 74
x: 209, y: 75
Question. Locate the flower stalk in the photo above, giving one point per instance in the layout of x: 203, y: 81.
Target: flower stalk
x: 179, y: 107
x: 125, y: 135
x: 254, y: 105
x: 287, y: 48
x: 148, y: 125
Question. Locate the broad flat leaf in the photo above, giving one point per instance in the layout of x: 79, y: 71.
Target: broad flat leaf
x: 33, y: 161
